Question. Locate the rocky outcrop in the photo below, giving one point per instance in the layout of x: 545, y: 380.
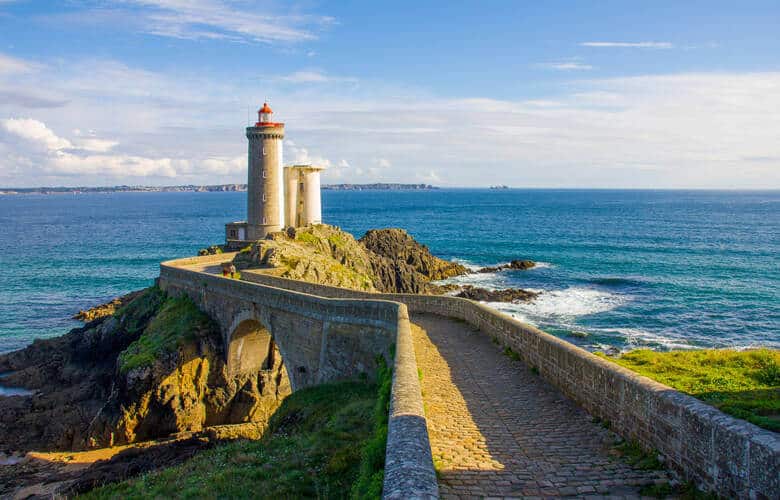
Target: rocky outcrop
x: 505, y: 295
x: 318, y: 254
x: 521, y: 265
x: 404, y: 255
x: 154, y: 369
x: 212, y: 250
x: 107, y: 309
x: 384, y: 260
x: 71, y: 375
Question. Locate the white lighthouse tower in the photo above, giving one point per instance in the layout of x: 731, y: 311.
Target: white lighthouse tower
x: 265, y: 183
x: 277, y: 197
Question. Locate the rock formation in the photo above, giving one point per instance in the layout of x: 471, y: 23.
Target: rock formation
x: 402, y: 265
x: 107, y: 309
x: 317, y: 254
x: 384, y: 260
x: 505, y: 295
x: 151, y: 370
x: 515, y: 264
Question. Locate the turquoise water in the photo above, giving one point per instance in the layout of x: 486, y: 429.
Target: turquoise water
x: 618, y: 268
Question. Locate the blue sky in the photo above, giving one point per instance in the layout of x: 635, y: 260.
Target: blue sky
x: 537, y: 94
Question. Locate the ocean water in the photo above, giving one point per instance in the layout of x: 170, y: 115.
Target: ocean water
x: 658, y: 269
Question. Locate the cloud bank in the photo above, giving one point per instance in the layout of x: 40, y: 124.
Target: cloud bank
x: 677, y: 130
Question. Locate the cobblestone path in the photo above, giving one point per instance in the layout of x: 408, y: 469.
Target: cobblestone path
x: 498, y: 430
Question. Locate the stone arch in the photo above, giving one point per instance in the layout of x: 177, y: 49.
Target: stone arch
x: 251, y: 349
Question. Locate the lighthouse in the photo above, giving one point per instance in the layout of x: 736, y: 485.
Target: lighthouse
x: 277, y: 196
x: 265, y: 182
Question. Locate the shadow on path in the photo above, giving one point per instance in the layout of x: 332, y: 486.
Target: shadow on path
x: 498, y: 429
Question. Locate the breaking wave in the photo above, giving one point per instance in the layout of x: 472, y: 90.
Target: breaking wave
x: 570, y: 303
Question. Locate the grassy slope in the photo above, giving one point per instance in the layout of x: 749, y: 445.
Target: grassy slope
x: 744, y: 384
x: 314, y: 447
x: 176, y: 321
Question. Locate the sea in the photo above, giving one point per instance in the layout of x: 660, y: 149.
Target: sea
x: 620, y: 269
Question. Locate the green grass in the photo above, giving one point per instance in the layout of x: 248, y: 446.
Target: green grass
x: 685, y: 491
x: 177, y: 321
x: 511, y: 354
x: 135, y: 315
x: 337, y: 240
x: 744, y: 384
x: 307, y: 238
x: 372, y: 463
x: 316, y: 446
x: 633, y: 453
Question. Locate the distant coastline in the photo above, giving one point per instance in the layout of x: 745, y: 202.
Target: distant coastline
x: 191, y: 188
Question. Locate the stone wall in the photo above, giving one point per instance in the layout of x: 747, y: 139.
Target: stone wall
x: 320, y: 339
x: 329, y: 338
x: 731, y: 457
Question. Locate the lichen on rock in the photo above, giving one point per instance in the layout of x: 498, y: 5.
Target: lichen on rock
x: 384, y: 260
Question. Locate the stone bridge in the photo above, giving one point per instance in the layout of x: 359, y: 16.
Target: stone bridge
x: 319, y: 339
x: 524, y: 424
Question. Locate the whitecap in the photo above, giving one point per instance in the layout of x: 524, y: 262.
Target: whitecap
x: 635, y: 338
x: 490, y: 281
x: 571, y: 302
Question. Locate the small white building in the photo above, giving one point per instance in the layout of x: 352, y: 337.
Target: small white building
x: 303, y: 205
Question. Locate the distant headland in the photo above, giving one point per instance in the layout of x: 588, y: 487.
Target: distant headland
x: 191, y: 188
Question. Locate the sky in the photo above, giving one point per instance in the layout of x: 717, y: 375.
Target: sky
x: 572, y: 94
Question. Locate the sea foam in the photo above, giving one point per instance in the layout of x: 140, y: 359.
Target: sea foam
x: 571, y: 302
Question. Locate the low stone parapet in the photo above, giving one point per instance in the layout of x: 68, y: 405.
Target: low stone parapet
x: 719, y: 453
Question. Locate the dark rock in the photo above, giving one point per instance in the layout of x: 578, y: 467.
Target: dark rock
x: 402, y: 265
x: 106, y: 309
x: 506, y: 295
x: 515, y: 264
x: 212, y: 250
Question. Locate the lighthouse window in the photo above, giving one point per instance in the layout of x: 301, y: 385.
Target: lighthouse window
x: 263, y: 174
x: 263, y: 196
x: 301, y: 187
x: 264, y: 220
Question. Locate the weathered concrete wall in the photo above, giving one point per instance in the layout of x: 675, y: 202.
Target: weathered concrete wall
x: 729, y: 456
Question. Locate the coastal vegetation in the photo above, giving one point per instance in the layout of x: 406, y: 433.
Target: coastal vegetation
x: 175, y: 323
x: 744, y: 384
x: 321, y: 442
x: 371, y: 473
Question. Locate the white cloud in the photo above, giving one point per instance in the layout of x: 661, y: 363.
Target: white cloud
x: 228, y: 20
x: 313, y: 77
x: 429, y: 177
x: 634, y: 45
x: 675, y: 130
x: 566, y: 66
x: 11, y: 65
x: 96, y: 145
x: 301, y: 156
x: 36, y: 132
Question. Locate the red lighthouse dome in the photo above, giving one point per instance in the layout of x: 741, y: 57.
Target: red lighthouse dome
x: 264, y: 116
